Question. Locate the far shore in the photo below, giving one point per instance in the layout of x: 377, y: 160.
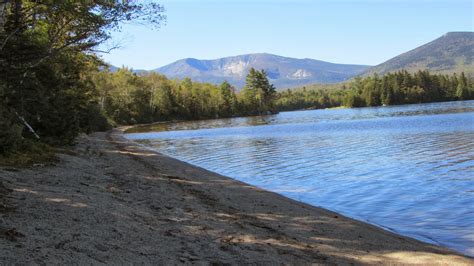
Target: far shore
x: 110, y: 201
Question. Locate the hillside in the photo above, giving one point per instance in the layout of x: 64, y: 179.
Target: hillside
x: 452, y: 52
x: 283, y: 72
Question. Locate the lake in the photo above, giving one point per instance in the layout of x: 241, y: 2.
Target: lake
x: 409, y: 169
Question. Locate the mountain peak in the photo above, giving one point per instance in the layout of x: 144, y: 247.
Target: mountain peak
x: 450, y: 53
x: 283, y: 72
x: 458, y: 34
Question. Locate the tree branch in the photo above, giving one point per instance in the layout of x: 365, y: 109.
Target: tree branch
x: 9, y: 37
x: 27, y: 125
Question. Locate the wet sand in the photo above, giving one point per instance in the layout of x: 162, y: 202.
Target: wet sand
x: 111, y: 201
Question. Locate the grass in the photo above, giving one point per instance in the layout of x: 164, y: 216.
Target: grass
x: 30, y: 153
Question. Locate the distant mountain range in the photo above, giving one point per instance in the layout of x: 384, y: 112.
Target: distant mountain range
x: 282, y: 71
x: 453, y: 52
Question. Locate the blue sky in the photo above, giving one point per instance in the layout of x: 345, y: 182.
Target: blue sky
x: 339, y: 31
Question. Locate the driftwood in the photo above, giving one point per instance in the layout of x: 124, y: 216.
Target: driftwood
x: 27, y: 125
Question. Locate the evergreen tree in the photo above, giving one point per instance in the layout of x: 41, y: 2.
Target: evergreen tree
x: 228, y: 100
x: 462, y: 92
x: 258, y: 93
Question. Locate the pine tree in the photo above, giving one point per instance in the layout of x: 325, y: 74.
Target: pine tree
x: 258, y: 93
x: 462, y: 91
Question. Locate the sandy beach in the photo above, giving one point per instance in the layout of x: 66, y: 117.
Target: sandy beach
x: 111, y: 201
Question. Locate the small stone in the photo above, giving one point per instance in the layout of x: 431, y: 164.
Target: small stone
x: 101, y: 247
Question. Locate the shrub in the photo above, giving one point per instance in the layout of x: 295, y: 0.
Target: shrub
x: 10, y: 133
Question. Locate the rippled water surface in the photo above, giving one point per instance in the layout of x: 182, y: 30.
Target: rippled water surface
x: 407, y: 168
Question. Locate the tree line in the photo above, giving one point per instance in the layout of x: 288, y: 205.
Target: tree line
x: 128, y: 98
x: 396, y: 88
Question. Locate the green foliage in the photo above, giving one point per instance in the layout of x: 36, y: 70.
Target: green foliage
x: 46, y: 61
x: 10, y: 135
x: 352, y: 99
x: 462, y: 91
x: 10, y: 132
x: 128, y: 98
x: 391, y: 89
x: 28, y: 152
x: 258, y: 94
x: 309, y: 99
x: 228, y: 103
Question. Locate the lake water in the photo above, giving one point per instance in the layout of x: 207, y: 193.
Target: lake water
x: 406, y: 168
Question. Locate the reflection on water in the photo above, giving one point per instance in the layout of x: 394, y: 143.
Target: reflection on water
x: 407, y: 168
x: 302, y: 117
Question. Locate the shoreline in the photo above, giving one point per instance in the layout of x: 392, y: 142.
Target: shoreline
x: 123, y: 129
x: 111, y: 200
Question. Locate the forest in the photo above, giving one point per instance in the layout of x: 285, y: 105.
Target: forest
x: 127, y: 98
x: 391, y: 89
x: 48, y: 56
x: 53, y: 85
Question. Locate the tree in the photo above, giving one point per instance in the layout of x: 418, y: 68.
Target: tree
x: 393, y: 88
x: 161, y: 101
x: 258, y: 93
x: 228, y: 101
x: 46, y: 53
x: 371, y: 92
x: 462, y: 91
x: 10, y: 133
x: 352, y: 99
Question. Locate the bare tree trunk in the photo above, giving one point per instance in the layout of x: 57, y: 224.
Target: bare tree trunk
x: 27, y: 125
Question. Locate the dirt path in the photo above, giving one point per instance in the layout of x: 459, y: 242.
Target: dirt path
x: 111, y: 201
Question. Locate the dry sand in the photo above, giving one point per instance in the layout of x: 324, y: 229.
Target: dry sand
x: 111, y: 201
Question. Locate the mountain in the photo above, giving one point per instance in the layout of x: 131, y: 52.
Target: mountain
x: 283, y: 72
x: 452, y: 52
x: 113, y: 69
